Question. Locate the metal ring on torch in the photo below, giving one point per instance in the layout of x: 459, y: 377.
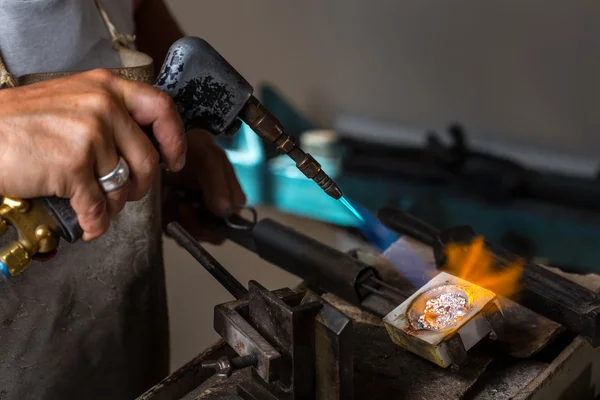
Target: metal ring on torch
x: 232, y: 211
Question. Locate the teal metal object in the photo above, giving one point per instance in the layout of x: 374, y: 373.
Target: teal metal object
x: 289, y: 190
x: 293, y: 193
x: 246, y: 153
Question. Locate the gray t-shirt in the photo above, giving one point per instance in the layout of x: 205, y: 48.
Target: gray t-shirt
x: 92, y: 322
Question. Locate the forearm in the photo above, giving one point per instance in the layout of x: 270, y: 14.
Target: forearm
x: 156, y: 29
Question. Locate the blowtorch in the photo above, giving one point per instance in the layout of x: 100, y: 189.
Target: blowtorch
x: 209, y: 94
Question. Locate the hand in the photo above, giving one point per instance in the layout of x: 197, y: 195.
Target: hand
x: 208, y: 170
x: 59, y: 136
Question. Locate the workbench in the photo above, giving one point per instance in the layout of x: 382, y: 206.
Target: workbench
x: 569, y: 368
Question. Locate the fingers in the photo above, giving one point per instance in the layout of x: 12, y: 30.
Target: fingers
x: 236, y: 193
x: 211, y: 171
x: 134, y: 146
x: 189, y: 218
x: 90, y: 204
x: 149, y: 106
x: 107, y: 160
x: 86, y: 121
x: 123, y: 107
x: 189, y: 221
x: 212, y: 180
x: 219, y: 184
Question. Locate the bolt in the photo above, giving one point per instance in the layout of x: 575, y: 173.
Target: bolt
x: 244, y: 361
x: 224, y: 366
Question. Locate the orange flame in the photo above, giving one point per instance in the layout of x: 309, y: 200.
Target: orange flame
x: 475, y: 263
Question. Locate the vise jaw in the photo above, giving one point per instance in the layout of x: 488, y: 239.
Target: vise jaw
x: 302, y: 344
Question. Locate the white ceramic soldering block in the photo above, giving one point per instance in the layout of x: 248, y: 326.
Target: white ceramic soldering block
x: 447, y: 346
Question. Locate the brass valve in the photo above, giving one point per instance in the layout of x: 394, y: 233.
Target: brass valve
x: 37, y: 230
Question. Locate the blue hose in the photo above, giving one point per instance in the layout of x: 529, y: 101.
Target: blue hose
x: 4, y: 269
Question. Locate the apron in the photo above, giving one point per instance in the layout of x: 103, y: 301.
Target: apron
x: 92, y: 322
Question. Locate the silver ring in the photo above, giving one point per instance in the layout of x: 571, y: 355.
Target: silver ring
x: 117, y: 178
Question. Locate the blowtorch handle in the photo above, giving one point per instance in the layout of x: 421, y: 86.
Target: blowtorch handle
x: 208, y: 92
x: 65, y: 215
x: 66, y: 218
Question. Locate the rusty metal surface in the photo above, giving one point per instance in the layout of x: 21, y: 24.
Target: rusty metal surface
x: 240, y: 386
x: 383, y: 369
x: 525, y: 332
x: 188, y: 377
x: 206, y: 387
x: 574, y: 359
x: 231, y: 324
x: 300, y: 325
x: 289, y: 326
x: 334, y: 353
x: 218, y: 388
x: 506, y: 379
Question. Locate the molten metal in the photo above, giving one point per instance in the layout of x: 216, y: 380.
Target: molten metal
x: 439, y: 308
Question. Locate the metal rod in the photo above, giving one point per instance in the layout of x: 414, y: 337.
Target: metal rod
x: 191, y: 245
x: 388, y: 286
x: 404, y: 223
x: 381, y: 293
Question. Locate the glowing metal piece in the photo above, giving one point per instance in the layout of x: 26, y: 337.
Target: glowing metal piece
x: 439, y: 308
x: 445, y: 318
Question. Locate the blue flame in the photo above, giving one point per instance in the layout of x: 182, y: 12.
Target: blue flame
x: 352, y: 209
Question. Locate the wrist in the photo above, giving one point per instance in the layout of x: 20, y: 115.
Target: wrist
x: 6, y: 99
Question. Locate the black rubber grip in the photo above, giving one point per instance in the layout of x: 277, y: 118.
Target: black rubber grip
x: 66, y: 217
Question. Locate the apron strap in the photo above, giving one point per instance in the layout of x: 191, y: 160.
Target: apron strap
x: 134, y: 64
x: 6, y: 79
x: 119, y: 39
x: 123, y: 43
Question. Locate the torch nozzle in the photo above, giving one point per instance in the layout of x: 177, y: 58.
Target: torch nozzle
x: 312, y: 169
x: 265, y: 125
x: 330, y: 187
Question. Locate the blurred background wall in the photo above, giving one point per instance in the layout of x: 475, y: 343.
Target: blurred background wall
x: 525, y: 72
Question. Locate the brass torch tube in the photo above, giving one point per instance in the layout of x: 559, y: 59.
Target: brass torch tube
x: 270, y: 129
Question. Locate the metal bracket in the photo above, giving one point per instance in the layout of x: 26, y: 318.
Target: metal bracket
x: 303, y: 346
